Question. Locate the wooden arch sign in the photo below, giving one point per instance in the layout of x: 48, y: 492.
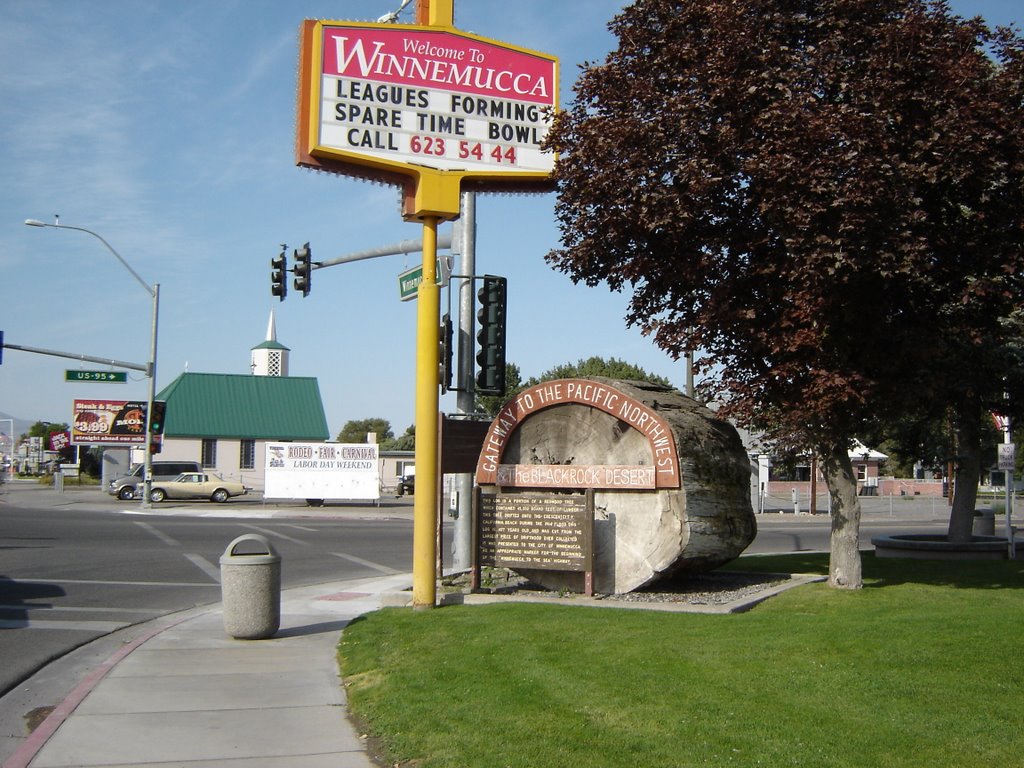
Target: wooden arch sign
x: 662, y: 473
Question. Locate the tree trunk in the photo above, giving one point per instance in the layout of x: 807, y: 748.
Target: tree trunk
x: 844, y: 571
x: 968, y: 472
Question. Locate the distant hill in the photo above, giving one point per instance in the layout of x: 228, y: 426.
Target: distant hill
x: 20, y: 425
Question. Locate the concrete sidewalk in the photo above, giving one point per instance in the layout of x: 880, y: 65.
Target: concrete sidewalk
x: 181, y: 692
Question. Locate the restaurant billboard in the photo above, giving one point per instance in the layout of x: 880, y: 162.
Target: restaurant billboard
x: 109, y: 422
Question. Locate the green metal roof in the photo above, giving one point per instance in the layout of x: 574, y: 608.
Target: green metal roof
x: 235, y: 406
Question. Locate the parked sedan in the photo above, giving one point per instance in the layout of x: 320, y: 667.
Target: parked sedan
x: 197, y: 485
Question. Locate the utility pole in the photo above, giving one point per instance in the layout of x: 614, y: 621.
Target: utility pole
x: 465, y: 401
x: 154, y: 293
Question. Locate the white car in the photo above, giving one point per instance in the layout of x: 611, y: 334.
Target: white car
x: 197, y: 485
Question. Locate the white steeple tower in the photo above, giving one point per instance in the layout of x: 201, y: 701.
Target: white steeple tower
x: 270, y: 358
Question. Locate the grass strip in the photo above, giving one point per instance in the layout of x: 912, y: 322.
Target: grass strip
x: 922, y: 667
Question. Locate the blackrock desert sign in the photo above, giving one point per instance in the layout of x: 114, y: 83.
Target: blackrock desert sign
x: 620, y: 482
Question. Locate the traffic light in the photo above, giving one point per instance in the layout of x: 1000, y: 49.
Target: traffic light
x: 156, y: 421
x: 447, y: 343
x: 303, y: 269
x: 279, y: 276
x: 490, y: 380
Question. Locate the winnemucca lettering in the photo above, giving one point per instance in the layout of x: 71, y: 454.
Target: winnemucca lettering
x: 442, y: 73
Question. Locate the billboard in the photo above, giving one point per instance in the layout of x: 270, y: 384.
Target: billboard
x: 322, y: 471
x: 109, y: 422
x: 400, y: 98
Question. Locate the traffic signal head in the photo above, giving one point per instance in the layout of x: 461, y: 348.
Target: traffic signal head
x: 279, y: 276
x: 156, y: 421
x: 490, y: 358
x: 447, y: 344
x: 303, y: 269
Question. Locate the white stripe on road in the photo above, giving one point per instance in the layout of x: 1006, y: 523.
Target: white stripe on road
x: 159, y: 534
x: 205, y: 566
x: 275, y: 533
x: 367, y: 563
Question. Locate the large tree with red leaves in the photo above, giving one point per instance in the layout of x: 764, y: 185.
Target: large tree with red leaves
x: 825, y: 197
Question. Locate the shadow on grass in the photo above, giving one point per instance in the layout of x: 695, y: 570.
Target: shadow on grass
x: 884, y: 572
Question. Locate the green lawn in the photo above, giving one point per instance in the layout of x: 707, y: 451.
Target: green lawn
x: 923, y: 667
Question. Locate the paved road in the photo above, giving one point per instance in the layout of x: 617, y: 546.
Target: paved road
x: 71, y: 571
x: 81, y: 565
x: 789, y: 533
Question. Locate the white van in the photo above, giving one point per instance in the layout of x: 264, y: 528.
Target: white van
x: 125, y: 486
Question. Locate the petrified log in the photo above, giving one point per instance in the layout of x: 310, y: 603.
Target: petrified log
x: 642, y: 536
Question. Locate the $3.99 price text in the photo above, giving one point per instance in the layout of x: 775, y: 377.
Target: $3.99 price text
x: 466, y: 150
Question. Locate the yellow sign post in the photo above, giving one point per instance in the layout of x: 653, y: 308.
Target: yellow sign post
x: 424, y: 538
x: 430, y: 109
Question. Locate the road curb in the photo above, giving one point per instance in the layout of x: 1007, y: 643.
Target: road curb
x: 37, y: 739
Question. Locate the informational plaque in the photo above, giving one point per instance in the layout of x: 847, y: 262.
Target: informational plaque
x: 544, y: 531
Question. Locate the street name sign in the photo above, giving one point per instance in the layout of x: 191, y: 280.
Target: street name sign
x: 409, y: 281
x: 105, y: 377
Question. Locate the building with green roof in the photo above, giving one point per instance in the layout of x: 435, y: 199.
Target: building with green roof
x: 224, y: 420
x: 230, y: 406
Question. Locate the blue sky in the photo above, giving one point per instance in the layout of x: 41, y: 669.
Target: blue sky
x: 168, y: 128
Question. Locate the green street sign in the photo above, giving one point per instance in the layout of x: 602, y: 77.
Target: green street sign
x: 105, y: 377
x: 409, y: 281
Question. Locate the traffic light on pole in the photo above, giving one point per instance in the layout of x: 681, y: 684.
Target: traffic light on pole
x: 156, y: 421
x: 447, y: 342
x: 303, y: 269
x: 279, y: 275
x: 490, y: 380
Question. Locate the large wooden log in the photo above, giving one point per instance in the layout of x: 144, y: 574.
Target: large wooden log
x: 641, y: 536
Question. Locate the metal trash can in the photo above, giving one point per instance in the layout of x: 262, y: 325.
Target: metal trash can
x: 250, y: 584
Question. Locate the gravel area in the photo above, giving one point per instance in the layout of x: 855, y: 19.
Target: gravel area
x: 713, y: 588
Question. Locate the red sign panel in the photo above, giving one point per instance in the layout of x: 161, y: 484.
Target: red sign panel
x: 436, y: 59
x: 627, y: 477
x: 59, y: 441
x: 108, y: 422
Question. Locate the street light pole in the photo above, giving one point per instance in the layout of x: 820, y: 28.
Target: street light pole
x: 154, y: 293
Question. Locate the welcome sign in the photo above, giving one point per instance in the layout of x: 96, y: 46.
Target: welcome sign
x: 401, y: 98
